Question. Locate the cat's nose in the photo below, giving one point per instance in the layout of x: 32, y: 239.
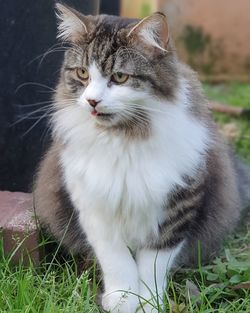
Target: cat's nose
x: 93, y: 102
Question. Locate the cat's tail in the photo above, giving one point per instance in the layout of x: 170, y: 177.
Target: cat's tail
x: 243, y: 177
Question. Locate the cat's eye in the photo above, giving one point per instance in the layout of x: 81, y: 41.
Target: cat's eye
x: 82, y: 74
x: 119, y: 78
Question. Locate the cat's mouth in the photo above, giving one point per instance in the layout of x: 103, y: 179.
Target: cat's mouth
x: 102, y: 115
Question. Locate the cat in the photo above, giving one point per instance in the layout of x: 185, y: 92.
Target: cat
x: 137, y: 174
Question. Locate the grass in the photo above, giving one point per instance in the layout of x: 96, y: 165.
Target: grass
x: 51, y: 288
x: 222, y: 286
x: 236, y: 94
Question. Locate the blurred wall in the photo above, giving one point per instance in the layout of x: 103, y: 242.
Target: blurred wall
x: 214, y: 35
x: 138, y: 8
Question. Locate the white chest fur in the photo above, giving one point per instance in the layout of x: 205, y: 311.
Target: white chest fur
x: 125, y: 183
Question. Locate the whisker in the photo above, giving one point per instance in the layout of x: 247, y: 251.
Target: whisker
x: 34, y: 125
x: 33, y: 84
x: 145, y: 108
x: 138, y: 112
x: 34, y: 117
x: 50, y: 48
x: 49, y: 110
x: 50, y: 102
x: 129, y: 115
x: 46, y: 114
x: 134, y: 122
x: 61, y: 49
x: 45, y: 133
x: 26, y: 115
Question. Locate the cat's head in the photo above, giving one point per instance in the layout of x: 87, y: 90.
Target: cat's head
x: 115, y: 69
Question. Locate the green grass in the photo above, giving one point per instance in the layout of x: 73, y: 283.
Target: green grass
x: 236, y: 94
x: 51, y: 288
x: 56, y: 287
x: 220, y: 282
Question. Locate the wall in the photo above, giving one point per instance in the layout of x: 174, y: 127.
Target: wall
x: 220, y: 29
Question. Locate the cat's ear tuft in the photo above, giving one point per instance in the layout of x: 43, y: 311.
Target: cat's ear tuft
x: 72, y: 25
x: 152, y: 31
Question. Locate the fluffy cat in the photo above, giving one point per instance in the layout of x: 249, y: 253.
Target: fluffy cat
x: 136, y: 173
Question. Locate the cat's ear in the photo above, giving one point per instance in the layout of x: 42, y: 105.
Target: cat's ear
x: 152, y: 31
x: 72, y: 25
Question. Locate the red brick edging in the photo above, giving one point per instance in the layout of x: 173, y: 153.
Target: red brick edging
x: 18, y: 227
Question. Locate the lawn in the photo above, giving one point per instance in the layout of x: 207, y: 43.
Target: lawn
x: 235, y: 94
x: 223, y: 286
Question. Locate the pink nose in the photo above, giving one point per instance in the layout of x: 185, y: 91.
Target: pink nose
x: 93, y: 102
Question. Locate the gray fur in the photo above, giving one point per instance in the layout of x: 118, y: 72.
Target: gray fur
x: 243, y: 180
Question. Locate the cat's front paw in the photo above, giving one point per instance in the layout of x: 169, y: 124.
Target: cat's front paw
x: 120, y: 302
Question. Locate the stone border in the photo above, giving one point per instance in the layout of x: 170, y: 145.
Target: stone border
x: 19, y: 228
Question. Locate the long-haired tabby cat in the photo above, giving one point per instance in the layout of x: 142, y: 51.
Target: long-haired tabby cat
x: 137, y: 173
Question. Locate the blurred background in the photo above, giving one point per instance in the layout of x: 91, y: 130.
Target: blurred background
x: 211, y: 35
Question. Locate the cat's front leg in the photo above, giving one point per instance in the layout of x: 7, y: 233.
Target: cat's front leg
x: 119, y: 269
x: 120, y: 280
x: 153, y: 267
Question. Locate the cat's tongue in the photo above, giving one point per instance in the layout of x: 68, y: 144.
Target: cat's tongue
x: 94, y: 112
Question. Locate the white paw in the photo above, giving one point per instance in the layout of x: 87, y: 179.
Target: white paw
x: 119, y: 302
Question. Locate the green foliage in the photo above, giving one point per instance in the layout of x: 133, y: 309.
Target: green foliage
x: 203, y: 51
x: 145, y: 10
x: 236, y: 94
x: 195, y: 40
x: 50, y: 288
x: 223, y: 286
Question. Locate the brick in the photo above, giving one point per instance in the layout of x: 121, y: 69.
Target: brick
x: 19, y: 229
